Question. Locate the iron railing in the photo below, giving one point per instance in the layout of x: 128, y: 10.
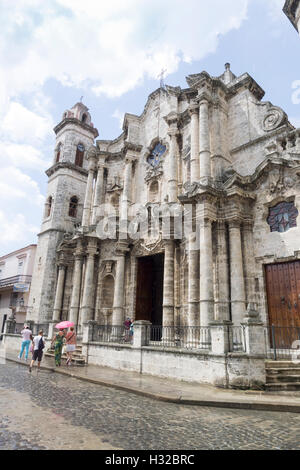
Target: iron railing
x: 111, y: 334
x: 185, y: 337
x: 282, y: 342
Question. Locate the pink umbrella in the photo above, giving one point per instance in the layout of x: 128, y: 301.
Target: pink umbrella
x: 64, y: 324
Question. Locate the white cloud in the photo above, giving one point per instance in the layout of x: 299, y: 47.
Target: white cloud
x: 120, y: 116
x: 22, y: 125
x: 17, y: 185
x: 109, y: 46
x: 15, y: 229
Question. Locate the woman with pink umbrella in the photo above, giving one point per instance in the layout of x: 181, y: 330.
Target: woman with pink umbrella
x: 58, y: 339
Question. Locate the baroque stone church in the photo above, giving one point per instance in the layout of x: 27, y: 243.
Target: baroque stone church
x: 215, y: 147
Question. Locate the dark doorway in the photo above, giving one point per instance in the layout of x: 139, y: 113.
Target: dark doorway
x: 149, y: 294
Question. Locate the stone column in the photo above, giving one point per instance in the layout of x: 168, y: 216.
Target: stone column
x: 173, y: 167
x: 238, y: 300
x: 118, y: 305
x: 88, y: 194
x: 59, y: 293
x: 168, y: 289
x: 204, y: 144
x: 193, y: 283
x: 249, y: 261
x: 126, y: 196
x: 98, y: 192
x: 88, y: 290
x: 194, y: 112
x: 222, y: 301
x: 75, y: 298
x: 206, y: 274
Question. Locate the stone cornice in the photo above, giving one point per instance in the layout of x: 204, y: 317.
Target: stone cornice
x: 75, y: 121
x: 249, y: 182
x: 267, y: 136
x: 61, y: 165
x: 290, y: 9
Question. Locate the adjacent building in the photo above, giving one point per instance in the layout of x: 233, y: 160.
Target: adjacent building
x: 15, y: 280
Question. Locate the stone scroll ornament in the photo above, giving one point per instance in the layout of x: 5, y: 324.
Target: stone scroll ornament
x: 273, y: 119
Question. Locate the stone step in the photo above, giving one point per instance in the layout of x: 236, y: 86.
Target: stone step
x: 281, y: 365
x: 284, y: 371
x: 283, y: 378
x: 77, y: 359
x: 282, y: 387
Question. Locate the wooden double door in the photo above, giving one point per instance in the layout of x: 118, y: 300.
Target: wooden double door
x: 283, y: 294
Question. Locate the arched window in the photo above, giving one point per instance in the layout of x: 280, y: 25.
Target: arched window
x: 84, y: 118
x: 73, y: 206
x: 58, y: 150
x: 79, y: 155
x: 48, y: 206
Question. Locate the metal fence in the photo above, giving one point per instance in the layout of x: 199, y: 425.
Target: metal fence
x: 111, y: 334
x: 282, y: 342
x: 185, y: 337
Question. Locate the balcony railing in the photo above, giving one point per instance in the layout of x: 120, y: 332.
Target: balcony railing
x: 10, y: 281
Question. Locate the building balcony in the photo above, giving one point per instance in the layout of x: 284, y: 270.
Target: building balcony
x: 11, y: 281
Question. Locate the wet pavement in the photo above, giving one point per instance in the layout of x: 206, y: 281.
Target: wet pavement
x: 44, y: 410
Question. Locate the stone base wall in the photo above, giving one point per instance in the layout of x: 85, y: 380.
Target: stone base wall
x: 228, y: 371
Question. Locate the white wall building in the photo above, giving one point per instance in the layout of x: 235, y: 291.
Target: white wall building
x: 16, y: 270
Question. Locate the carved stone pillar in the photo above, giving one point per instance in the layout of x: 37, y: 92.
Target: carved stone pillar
x: 98, y: 192
x: 118, y: 305
x: 126, y: 196
x: 249, y: 261
x: 204, y: 136
x: 75, y: 298
x: 171, y: 120
x: 89, y: 193
x: 193, y: 283
x: 238, y: 300
x: 168, y: 289
x: 59, y: 292
x: 194, y: 112
x: 89, y: 282
x: 206, y: 273
x: 222, y: 301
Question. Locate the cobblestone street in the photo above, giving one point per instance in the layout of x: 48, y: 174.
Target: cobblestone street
x: 49, y: 411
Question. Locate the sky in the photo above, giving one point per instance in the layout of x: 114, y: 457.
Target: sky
x: 52, y: 52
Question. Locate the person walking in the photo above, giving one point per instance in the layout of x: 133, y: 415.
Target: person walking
x: 70, y: 344
x: 38, y: 346
x: 27, y: 337
x: 58, y: 339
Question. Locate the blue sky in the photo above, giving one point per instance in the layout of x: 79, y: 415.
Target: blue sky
x: 52, y: 52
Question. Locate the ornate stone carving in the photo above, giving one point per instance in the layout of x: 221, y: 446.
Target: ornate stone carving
x: 280, y: 183
x: 191, y: 189
x: 273, y: 119
x: 153, y: 172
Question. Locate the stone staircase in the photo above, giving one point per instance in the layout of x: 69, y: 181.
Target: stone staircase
x: 77, y: 358
x: 282, y: 376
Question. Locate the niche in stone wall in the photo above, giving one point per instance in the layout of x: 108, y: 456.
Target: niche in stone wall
x: 108, y: 292
x: 154, y: 191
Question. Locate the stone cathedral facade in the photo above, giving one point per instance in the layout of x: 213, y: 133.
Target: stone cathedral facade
x: 214, y: 147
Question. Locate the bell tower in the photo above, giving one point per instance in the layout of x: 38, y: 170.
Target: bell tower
x: 67, y: 179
